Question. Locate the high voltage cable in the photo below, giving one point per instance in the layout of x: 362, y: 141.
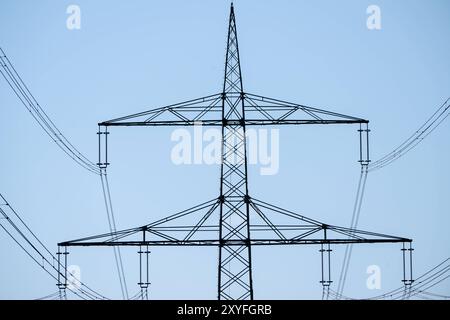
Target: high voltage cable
x: 50, y: 296
x: 419, y: 284
x: 430, y: 282
x: 399, y: 292
x: 353, y: 225
x: 137, y: 296
x: 35, y: 260
x: 28, y: 100
x: 423, y: 283
x: 46, y: 263
x: 435, y: 295
x: 418, y: 280
x: 113, y: 230
x: 432, y: 123
x: 37, y: 251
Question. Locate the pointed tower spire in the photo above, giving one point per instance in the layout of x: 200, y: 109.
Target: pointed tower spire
x: 232, y: 84
x: 233, y: 79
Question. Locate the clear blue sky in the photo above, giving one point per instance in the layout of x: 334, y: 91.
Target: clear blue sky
x: 131, y: 56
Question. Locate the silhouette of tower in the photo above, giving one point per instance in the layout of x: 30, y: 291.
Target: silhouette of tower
x: 234, y: 221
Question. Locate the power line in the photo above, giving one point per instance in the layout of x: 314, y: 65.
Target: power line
x: 430, y: 282
x: 113, y: 229
x: 21, y: 90
x: 422, y: 284
x: 432, y: 123
x: 28, y: 100
x: 28, y: 241
x: 353, y: 225
x: 50, y: 296
x: 441, y: 296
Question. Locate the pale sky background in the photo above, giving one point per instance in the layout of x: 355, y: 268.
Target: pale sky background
x: 130, y: 56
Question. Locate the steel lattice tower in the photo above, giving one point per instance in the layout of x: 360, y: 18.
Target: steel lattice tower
x: 234, y: 199
x: 234, y: 221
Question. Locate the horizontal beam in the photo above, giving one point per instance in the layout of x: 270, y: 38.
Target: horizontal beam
x: 254, y: 242
x: 190, y: 105
x: 248, y: 122
x: 275, y: 104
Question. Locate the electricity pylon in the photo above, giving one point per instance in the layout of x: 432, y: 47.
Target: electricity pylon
x: 235, y: 221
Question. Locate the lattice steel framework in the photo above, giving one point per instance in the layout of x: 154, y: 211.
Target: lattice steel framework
x: 234, y: 221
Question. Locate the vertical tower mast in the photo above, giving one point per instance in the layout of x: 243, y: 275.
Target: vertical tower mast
x: 235, y: 272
